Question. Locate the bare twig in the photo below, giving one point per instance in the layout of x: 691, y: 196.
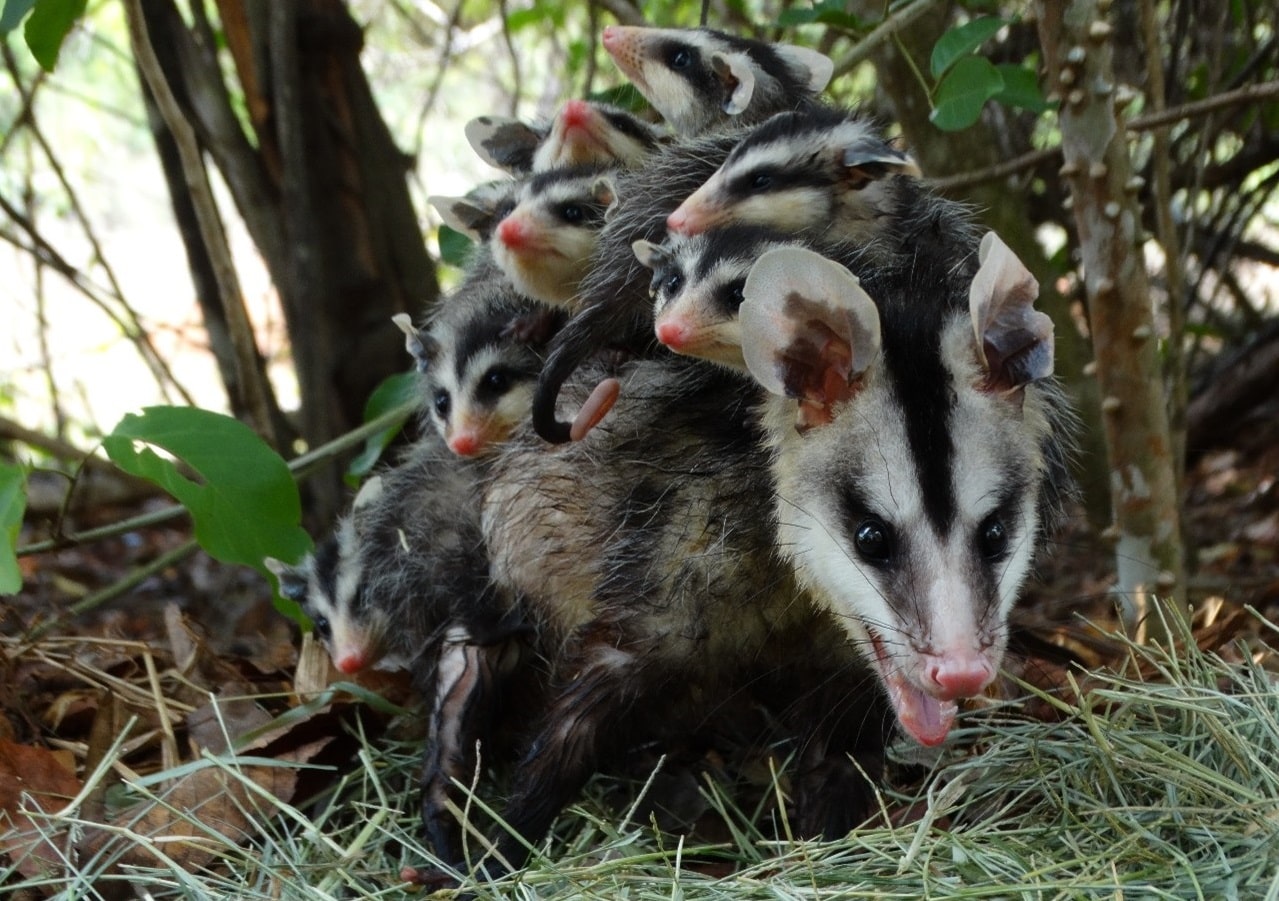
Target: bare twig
x: 135, y: 331
x: 625, y: 13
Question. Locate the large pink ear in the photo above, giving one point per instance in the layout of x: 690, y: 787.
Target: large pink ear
x: 1014, y: 340
x: 809, y: 331
x: 735, y: 72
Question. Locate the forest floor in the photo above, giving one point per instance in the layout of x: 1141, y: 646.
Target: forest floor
x: 198, y: 628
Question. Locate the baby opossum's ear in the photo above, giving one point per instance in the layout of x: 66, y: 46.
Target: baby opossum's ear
x: 502, y: 142
x: 809, y: 331
x: 473, y: 218
x: 649, y: 254
x: 421, y: 346
x: 1014, y: 340
x: 737, y: 74
x: 292, y: 579
x: 604, y: 193
x: 869, y: 159
x: 817, y: 68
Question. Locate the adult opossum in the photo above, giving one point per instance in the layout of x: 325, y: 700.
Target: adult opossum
x: 904, y: 471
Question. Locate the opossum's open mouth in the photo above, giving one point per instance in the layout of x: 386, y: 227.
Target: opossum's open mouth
x: 925, y: 718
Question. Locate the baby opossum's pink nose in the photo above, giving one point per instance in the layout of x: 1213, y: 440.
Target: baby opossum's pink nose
x: 464, y: 444
x: 960, y: 677
x: 611, y: 37
x: 674, y: 334
x: 351, y: 663
x: 512, y: 233
x: 575, y: 114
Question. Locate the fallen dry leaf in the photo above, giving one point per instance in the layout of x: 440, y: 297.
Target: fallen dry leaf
x: 32, y: 779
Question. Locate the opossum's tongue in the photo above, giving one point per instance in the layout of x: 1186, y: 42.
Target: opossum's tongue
x: 924, y: 717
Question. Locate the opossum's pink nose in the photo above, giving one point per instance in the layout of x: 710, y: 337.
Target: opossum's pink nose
x: 687, y: 220
x: 612, y: 37
x: 351, y: 662
x: 673, y: 333
x: 576, y: 114
x: 465, y: 444
x: 960, y: 676
x: 512, y: 232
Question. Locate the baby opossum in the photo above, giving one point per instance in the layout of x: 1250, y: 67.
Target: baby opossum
x: 583, y: 133
x: 819, y: 170
x: 480, y: 354
x: 699, y: 78
x: 403, y: 582
x: 545, y: 243
x: 912, y: 455
x: 697, y: 288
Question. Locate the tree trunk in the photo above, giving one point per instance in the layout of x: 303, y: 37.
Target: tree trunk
x: 323, y: 191
x: 1077, y: 55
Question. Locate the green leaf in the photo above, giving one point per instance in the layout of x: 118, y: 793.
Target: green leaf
x: 1021, y: 89
x: 13, y: 13
x: 961, y: 41
x: 396, y: 391
x: 245, y: 504
x: 964, y: 91
x: 625, y: 96
x: 455, y: 247
x: 47, y: 28
x: 13, y: 502
x: 826, y: 12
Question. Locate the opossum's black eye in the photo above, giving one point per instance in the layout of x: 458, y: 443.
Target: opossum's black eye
x: 322, y: 627
x: 992, y: 537
x: 762, y: 181
x: 735, y: 296
x: 874, y: 541
x: 442, y: 402
x: 674, y: 282
x: 682, y: 58
x: 497, y: 380
x: 572, y: 212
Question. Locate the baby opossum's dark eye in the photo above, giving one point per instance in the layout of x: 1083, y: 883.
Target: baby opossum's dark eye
x: 674, y: 282
x: 681, y: 58
x: 497, y: 380
x: 992, y: 537
x: 442, y: 403
x: 322, y: 627
x: 572, y: 212
x: 735, y: 295
x: 874, y: 541
x: 762, y: 181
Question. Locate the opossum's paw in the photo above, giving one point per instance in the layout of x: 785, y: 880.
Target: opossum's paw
x: 834, y: 797
x: 431, y: 878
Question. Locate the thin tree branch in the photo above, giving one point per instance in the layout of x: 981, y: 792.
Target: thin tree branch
x: 882, y: 32
x: 1251, y: 94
